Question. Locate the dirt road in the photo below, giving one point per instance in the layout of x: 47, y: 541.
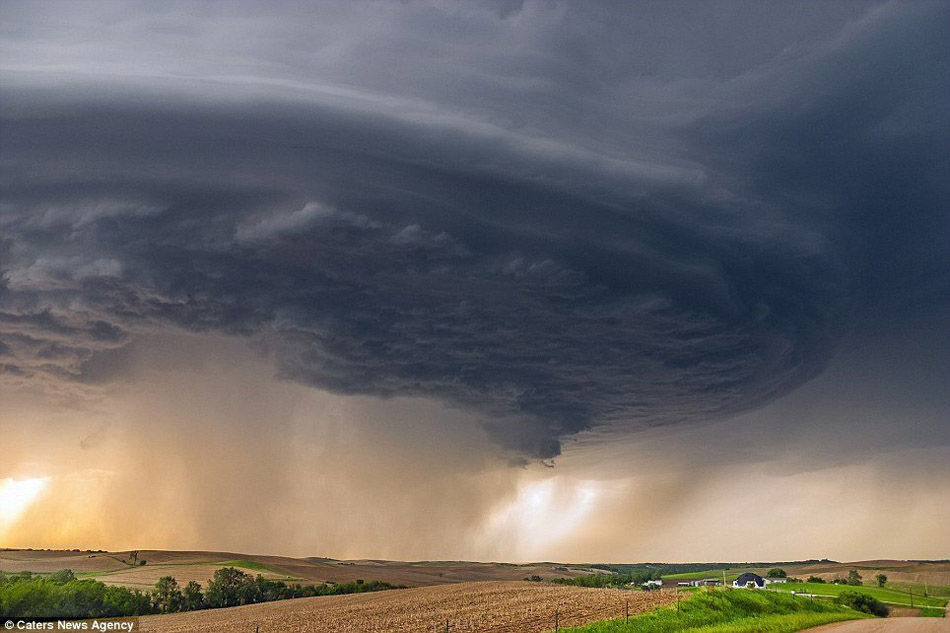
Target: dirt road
x: 888, y: 625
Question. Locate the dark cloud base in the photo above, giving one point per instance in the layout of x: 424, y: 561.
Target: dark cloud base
x: 550, y: 286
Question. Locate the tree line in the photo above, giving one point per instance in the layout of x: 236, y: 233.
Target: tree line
x: 854, y: 579
x: 63, y: 595
x: 615, y: 579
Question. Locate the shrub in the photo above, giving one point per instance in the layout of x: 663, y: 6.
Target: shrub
x: 777, y: 572
x: 863, y: 602
x: 816, y: 579
x: 22, y: 595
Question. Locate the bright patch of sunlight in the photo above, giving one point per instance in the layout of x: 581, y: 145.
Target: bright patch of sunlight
x: 541, y: 514
x: 16, y: 495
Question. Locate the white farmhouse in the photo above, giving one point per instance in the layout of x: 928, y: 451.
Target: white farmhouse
x: 749, y: 580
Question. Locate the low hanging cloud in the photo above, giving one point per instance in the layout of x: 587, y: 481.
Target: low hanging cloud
x: 555, y: 250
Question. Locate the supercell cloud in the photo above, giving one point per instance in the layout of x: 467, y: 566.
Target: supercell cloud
x: 562, y: 217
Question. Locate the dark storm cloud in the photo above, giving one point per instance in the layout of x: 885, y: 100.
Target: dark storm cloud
x: 525, y: 210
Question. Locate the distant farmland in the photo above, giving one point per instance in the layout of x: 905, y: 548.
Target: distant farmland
x: 114, y: 568
x: 933, y: 573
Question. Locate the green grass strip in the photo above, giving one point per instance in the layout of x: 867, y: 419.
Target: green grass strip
x: 884, y: 594
x: 776, y: 623
x: 729, y: 611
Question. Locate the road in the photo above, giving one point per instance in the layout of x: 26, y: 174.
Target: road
x: 887, y: 625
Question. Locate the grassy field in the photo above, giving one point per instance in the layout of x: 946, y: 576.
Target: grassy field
x: 932, y: 612
x: 729, y: 611
x: 940, y: 591
x: 887, y: 595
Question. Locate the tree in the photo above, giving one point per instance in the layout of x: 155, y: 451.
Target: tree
x: 62, y: 576
x: 777, y: 572
x: 133, y: 557
x: 881, y: 580
x: 167, y: 596
x: 251, y: 591
x: 225, y: 588
x: 854, y: 578
x: 192, y: 598
x: 816, y: 579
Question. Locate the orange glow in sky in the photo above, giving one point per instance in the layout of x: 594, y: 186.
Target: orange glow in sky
x: 16, y: 495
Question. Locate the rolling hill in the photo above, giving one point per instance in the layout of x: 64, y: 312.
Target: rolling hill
x: 117, y: 569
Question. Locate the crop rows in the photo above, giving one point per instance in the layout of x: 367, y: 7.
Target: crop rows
x: 486, y: 607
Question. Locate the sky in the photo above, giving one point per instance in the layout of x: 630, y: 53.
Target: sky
x: 574, y: 281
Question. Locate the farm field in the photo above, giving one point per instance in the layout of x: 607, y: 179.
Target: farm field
x: 884, y: 594
x: 495, y: 607
x: 941, y: 591
x: 897, y: 571
x: 936, y: 574
x: 113, y: 568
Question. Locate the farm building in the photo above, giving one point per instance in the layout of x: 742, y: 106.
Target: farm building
x: 749, y: 580
x: 704, y: 582
x: 770, y: 581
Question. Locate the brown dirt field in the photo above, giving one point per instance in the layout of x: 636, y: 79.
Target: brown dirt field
x: 485, y: 607
x: 50, y: 561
